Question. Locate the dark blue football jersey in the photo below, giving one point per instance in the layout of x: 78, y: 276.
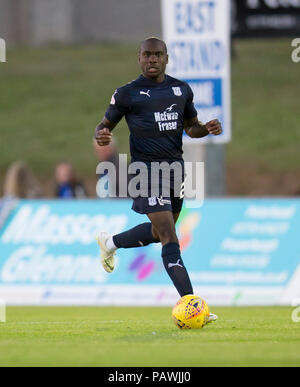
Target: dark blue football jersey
x: 155, y: 114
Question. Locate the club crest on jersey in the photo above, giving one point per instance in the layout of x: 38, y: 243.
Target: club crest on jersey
x: 177, y: 91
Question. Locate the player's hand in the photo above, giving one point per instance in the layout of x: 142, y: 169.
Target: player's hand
x: 103, y: 137
x: 214, y: 127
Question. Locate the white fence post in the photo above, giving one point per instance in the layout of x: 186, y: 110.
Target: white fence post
x: 2, y: 50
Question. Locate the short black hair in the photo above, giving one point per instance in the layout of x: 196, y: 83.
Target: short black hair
x: 153, y: 39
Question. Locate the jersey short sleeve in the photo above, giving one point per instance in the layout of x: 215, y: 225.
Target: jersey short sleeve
x: 119, y: 105
x: 189, y: 111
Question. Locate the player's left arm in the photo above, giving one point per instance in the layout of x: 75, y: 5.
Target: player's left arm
x: 196, y: 129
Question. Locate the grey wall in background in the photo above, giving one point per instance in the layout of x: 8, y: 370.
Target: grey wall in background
x: 38, y: 22
x: 16, y: 21
x: 125, y: 20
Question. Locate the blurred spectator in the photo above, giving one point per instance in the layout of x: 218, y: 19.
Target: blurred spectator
x: 21, y: 183
x: 67, y: 186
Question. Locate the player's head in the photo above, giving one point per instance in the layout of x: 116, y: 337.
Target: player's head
x: 153, y: 58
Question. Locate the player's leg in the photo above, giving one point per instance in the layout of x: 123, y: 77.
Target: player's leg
x: 164, y: 225
x: 154, y: 231
x: 176, y: 205
x: 176, y: 216
x: 137, y: 236
x: 141, y: 235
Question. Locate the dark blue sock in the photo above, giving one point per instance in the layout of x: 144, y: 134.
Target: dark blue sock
x: 175, y: 268
x: 138, y: 236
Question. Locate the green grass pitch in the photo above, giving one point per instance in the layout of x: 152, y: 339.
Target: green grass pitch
x: 123, y: 336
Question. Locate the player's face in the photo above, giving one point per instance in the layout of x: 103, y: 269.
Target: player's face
x: 153, y: 60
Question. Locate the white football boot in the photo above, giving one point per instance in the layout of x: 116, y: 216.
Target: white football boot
x: 211, y: 318
x: 107, y: 256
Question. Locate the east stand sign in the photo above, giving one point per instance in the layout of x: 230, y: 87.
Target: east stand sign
x: 197, y: 34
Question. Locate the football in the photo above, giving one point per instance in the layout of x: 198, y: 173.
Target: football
x: 190, y: 312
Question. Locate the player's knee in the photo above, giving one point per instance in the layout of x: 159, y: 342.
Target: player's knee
x: 155, y: 233
x: 167, y: 234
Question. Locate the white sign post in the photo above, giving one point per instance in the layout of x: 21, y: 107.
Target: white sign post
x: 2, y: 50
x: 197, y: 33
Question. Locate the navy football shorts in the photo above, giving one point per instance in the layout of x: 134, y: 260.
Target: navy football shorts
x: 169, y: 193
x: 155, y: 204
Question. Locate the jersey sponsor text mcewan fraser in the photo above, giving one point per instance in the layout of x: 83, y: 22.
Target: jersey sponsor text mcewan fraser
x: 155, y: 114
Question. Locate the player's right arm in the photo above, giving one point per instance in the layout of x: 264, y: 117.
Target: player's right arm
x: 103, y: 131
x: 119, y: 106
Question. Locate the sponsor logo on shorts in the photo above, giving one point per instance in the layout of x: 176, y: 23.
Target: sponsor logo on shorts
x: 152, y: 202
x: 162, y: 201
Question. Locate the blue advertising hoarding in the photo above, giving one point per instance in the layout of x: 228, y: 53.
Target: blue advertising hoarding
x: 237, y: 251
